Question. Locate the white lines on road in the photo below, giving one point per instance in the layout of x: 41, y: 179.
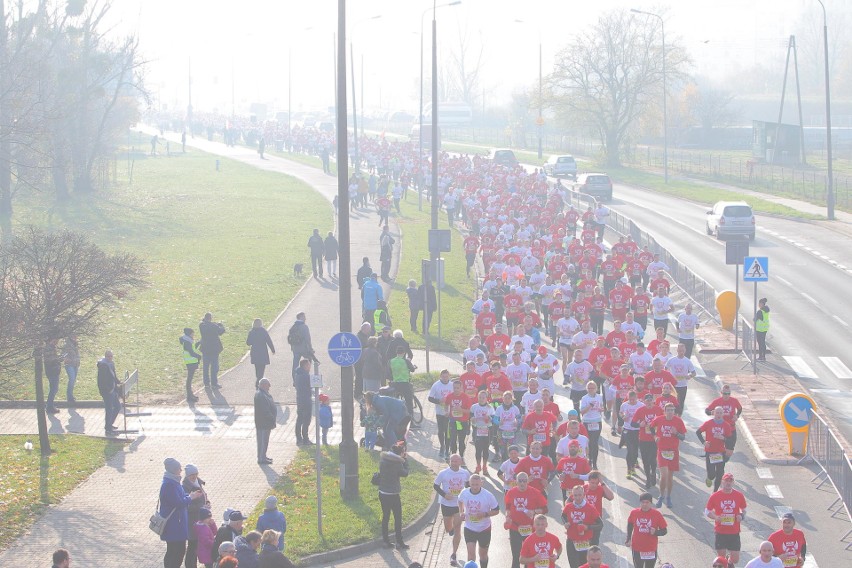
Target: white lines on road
x: 764, y: 473
x: 840, y: 321
x: 808, y: 249
x: 787, y: 282
x: 800, y: 368
x: 809, y: 298
x: 836, y: 366
x: 774, y: 492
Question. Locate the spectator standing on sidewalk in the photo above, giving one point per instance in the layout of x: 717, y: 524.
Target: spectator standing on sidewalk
x: 317, y: 246
x: 260, y: 342
x: 761, y: 327
x: 415, y: 302
x: 71, y: 360
x: 52, y: 368
x: 272, y: 519
x: 174, y: 502
x: 330, y: 250
x: 429, y: 302
x: 109, y: 388
x: 265, y: 415
x: 299, y: 338
x: 386, y: 242
x: 191, y: 358
x: 363, y: 273
x: 211, y: 347
x: 191, y: 482
x: 392, y: 466
x: 303, y: 402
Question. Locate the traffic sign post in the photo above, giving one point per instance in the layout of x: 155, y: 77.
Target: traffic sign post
x: 344, y: 349
x: 736, y: 249
x: 796, y: 411
x: 755, y: 269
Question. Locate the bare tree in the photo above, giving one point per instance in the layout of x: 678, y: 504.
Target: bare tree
x: 465, y: 67
x: 608, y: 75
x: 57, y: 284
x: 708, y: 106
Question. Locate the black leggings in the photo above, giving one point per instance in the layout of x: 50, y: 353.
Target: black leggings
x: 576, y: 558
x: 457, y: 437
x: 443, y: 434
x: 715, y: 471
x: 391, y: 504
x: 681, y: 399
x: 631, y: 438
x: 639, y: 563
x: 259, y: 368
x: 175, y: 551
x: 594, y: 437
x: 480, y: 443
x: 516, y: 541
x: 649, y: 460
x: 191, y: 559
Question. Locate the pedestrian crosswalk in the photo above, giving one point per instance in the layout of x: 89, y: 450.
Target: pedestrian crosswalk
x: 804, y: 370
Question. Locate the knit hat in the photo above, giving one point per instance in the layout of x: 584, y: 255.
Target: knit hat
x: 204, y: 513
x: 190, y: 469
x: 271, y: 502
x: 172, y: 465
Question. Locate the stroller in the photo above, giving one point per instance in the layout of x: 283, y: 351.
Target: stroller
x: 366, y: 419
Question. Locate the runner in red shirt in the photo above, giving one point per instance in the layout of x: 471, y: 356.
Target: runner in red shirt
x: 597, y: 308
x: 657, y: 377
x: 581, y: 520
x: 485, y: 322
x: 640, y: 303
x: 731, y: 408
x: 669, y: 430
x: 611, y: 270
x: 471, y: 246
x: 647, y: 444
x: 538, y: 467
x: 555, y: 311
x: 596, y: 491
x: 718, y: 432
x: 541, y: 549
x: 471, y: 380
x: 619, y: 301
x: 789, y: 543
x: 496, y: 383
x: 539, y: 426
x: 644, y: 526
x: 572, y: 216
x: 668, y: 397
x: 581, y: 310
x: 727, y: 508
x: 514, y: 304
x: 523, y: 503
x: 497, y: 343
x: 660, y: 282
x: 458, y: 408
x: 573, y: 469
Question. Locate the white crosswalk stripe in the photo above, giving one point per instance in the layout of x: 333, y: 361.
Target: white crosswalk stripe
x: 836, y: 366
x: 800, y: 367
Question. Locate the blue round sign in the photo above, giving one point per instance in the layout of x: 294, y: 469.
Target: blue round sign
x: 797, y: 411
x: 344, y: 349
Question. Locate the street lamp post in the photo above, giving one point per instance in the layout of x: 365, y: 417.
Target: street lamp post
x: 829, y: 197
x: 665, y: 112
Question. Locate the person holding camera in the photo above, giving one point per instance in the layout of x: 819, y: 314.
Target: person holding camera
x: 392, y: 466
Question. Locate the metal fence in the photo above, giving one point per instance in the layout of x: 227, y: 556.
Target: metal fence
x: 830, y: 456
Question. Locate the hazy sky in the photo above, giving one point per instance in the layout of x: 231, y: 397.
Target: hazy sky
x: 247, y: 43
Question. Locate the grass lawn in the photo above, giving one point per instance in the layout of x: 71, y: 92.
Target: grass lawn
x: 214, y: 241
x: 457, y: 296
x: 30, y: 483
x: 344, y: 522
x: 313, y: 161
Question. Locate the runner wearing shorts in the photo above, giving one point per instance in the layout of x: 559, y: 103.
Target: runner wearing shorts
x: 523, y: 503
x: 727, y: 509
x: 476, y: 507
x: 449, y: 484
x: 668, y: 430
x: 644, y: 526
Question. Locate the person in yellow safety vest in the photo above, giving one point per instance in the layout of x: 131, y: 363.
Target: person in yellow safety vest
x: 761, y: 327
x: 191, y: 357
x: 381, y: 317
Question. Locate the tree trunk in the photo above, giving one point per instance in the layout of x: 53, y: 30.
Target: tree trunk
x: 613, y: 149
x: 5, y: 145
x: 43, y: 439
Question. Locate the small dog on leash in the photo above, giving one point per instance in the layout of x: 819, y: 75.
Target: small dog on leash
x: 297, y: 269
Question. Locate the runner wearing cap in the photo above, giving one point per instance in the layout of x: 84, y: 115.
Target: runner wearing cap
x: 718, y: 432
x: 731, y: 408
x: 523, y: 503
x: 540, y: 549
x: 789, y: 543
x: 720, y: 562
x: 669, y: 430
x: 546, y: 365
x: 727, y: 508
x: 644, y: 526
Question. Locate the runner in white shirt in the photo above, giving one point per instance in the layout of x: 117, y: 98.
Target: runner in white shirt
x: 687, y: 323
x: 506, y: 471
x: 533, y: 394
x: 630, y: 433
x: 476, y: 507
x: 641, y: 361
x: 473, y: 350
x: 440, y: 389
x: 449, y: 484
x: 577, y: 374
x: 545, y: 362
x: 661, y: 306
x: 573, y: 434
x: 591, y: 410
x: 566, y: 328
x: 518, y: 373
x: 683, y: 370
x: 526, y: 340
x: 508, y: 422
x: 629, y: 324
x: 585, y: 339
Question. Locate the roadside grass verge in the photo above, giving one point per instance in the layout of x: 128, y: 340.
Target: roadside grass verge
x: 306, y: 159
x: 30, y: 483
x: 220, y: 241
x: 344, y: 522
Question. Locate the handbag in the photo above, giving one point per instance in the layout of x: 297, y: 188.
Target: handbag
x: 157, y: 522
x: 377, y: 478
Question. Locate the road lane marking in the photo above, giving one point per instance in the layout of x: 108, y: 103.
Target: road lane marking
x: 840, y: 321
x: 787, y: 282
x: 836, y: 366
x: 809, y: 298
x: 764, y: 473
x: 800, y: 368
x: 774, y: 492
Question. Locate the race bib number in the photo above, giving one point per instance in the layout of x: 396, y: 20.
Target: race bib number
x: 726, y: 520
x: 791, y: 561
x: 475, y: 517
x: 457, y: 413
x: 667, y: 454
x: 507, y: 435
x: 580, y: 545
x: 593, y: 426
x: 481, y: 432
x: 539, y: 437
x: 542, y: 563
x: 648, y: 555
x: 454, y: 492
x: 525, y: 530
x: 716, y: 458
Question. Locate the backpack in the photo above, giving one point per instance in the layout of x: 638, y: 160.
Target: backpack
x: 294, y: 338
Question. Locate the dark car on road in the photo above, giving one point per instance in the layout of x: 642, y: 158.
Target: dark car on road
x: 598, y: 186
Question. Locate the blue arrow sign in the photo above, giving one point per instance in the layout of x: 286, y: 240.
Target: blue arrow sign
x: 756, y: 269
x: 344, y: 349
x: 797, y: 411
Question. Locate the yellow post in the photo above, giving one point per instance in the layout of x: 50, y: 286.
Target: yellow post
x: 727, y: 305
x: 795, y: 411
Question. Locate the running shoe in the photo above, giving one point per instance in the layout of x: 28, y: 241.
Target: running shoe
x: 660, y: 503
x: 708, y: 482
x: 453, y: 561
x: 669, y: 502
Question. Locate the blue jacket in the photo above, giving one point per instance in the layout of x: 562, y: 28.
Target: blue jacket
x: 275, y: 520
x: 326, y: 419
x: 247, y: 557
x: 392, y: 409
x: 174, y: 498
x: 371, y: 293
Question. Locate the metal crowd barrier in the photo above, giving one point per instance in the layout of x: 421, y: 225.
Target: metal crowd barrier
x: 829, y: 455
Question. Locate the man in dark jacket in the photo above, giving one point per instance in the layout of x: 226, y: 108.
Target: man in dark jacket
x: 427, y: 292
x: 330, y: 250
x: 303, y: 402
x: 317, y: 246
x: 299, y: 338
x: 247, y: 550
x: 52, y: 368
x: 386, y: 242
x: 363, y: 334
x: 109, y: 387
x: 191, y: 482
x: 211, y: 347
x: 228, y: 532
x: 363, y: 273
x: 265, y: 415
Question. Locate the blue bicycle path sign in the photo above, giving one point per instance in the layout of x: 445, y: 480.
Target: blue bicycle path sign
x: 344, y: 349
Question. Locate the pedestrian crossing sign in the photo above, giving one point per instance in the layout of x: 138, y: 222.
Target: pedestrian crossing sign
x: 756, y: 269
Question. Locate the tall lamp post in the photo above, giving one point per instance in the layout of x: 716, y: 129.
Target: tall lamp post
x: 665, y: 114
x: 540, y: 121
x: 420, y: 154
x: 829, y: 197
